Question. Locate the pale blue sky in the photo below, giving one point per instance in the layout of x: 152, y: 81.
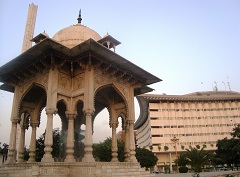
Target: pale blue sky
x: 183, y: 42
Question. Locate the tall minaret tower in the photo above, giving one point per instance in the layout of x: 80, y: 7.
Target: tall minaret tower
x: 29, y: 30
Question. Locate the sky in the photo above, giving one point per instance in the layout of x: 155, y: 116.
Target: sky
x: 191, y: 45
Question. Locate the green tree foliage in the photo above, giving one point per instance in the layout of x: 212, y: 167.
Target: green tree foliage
x: 236, y: 132
x: 228, y: 150
x: 146, y: 158
x: 182, y: 160
x: 166, y: 148
x: 4, y: 151
x: 57, y: 145
x: 39, y: 148
x: 183, y: 169
x: 102, y: 152
x: 197, y: 158
x: 26, y: 154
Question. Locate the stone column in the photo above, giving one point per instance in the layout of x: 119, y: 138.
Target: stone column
x: 32, y: 147
x: 126, y: 143
x: 132, y: 142
x: 88, y: 157
x: 21, y: 143
x: 49, y: 137
x: 12, y: 143
x: 114, y: 142
x: 170, y: 162
x: 70, y: 136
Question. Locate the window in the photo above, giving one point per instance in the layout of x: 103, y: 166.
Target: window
x: 155, y: 126
x: 166, y: 126
x: 154, y: 110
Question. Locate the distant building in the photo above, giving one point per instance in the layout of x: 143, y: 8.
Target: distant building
x: 176, y: 122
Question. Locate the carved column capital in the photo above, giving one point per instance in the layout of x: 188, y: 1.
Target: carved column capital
x: 51, y: 111
x: 71, y: 114
x: 34, y: 124
x: 88, y: 112
x: 15, y: 121
x: 114, y: 124
x: 129, y: 122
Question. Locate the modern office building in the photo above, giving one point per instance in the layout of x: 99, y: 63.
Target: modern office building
x: 169, y: 124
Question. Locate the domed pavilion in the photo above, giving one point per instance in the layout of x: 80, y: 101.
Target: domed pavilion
x: 75, y: 74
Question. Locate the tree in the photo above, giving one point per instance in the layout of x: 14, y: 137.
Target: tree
x: 151, y: 148
x: 197, y: 158
x: 4, y: 151
x: 57, y: 145
x: 146, y: 158
x: 182, y: 160
x: 228, y: 150
x: 166, y: 148
x: 102, y: 152
x: 236, y: 132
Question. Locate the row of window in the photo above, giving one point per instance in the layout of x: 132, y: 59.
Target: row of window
x: 192, y: 118
x: 195, y: 126
x: 192, y: 134
x: 183, y: 110
x: 187, y: 143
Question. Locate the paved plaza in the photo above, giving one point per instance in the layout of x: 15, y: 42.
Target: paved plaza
x: 203, y: 174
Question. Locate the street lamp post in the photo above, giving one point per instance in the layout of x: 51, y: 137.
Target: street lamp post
x: 175, y: 141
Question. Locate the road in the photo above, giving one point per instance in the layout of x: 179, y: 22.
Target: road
x: 203, y: 174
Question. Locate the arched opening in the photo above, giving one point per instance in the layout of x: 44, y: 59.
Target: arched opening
x: 79, y: 131
x: 30, y: 107
x: 108, y: 103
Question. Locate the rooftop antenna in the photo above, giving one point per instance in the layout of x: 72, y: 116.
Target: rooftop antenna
x: 224, y: 85
x: 228, y: 84
x: 215, y: 88
x: 29, y: 29
x: 79, y: 17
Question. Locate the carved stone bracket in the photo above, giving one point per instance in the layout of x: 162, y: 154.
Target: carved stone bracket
x: 71, y: 114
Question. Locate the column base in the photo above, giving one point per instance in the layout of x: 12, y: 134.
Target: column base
x: 31, y: 160
x: 10, y: 160
x: 70, y: 158
x: 88, y: 158
x: 47, y: 158
x: 114, y: 159
x: 132, y: 157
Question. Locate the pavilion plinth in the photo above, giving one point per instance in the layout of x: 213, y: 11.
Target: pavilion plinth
x: 77, y: 169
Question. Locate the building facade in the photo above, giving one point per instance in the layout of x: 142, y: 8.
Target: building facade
x: 169, y: 124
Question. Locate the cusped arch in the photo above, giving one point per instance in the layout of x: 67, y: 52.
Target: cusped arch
x: 24, y: 119
x: 122, y: 114
x: 116, y: 88
x: 32, y: 86
x: 64, y: 102
x: 110, y: 95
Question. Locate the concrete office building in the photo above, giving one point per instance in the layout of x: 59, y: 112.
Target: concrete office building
x: 171, y: 123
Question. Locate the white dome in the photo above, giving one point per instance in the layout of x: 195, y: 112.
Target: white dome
x: 74, y: 35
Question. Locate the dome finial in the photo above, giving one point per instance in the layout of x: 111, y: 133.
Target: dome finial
x: 79, y: 17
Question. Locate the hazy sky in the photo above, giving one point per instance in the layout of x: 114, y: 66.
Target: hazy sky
x: 188, y: 44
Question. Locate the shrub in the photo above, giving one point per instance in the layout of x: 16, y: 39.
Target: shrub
x: 183, y: 169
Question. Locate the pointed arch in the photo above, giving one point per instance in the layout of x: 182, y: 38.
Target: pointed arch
x: 34, y: 94
x: 111, y: 89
